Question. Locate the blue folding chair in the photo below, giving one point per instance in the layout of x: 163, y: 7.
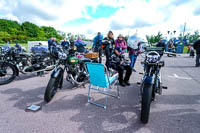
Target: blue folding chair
x: 102, y: 82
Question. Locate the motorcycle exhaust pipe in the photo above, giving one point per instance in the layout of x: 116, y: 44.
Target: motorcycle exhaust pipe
x: 73, y: 80
x: 47, y: 68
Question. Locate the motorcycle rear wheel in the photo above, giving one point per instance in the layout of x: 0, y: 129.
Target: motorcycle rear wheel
x: 4, y: 71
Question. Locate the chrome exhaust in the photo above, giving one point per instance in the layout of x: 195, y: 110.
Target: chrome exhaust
x: 47, y: 68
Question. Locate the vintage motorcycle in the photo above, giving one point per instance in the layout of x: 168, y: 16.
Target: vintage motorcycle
x: 151, y: 80
x: 14, y: 62
x: 75, y: 67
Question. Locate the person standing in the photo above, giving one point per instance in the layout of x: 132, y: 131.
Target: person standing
x: 71, y: 40
x: 133, y: 53
x: 65, y: 44
x: 108, y: 44
x: 188, y: 48
x: 192, y: 53
x: 55, y: 43
x: 120, y: 42
x: 97, y: 41
x: 19, y: 48
x: 50, y: 43
x: 80, y: 45
x: 160, y: 44
x: 170, y: 46
x: 197, y: 48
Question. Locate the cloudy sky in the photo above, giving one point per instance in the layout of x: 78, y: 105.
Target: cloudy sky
x: 122, y: 16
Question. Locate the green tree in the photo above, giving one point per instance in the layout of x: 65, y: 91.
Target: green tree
x: 194, y: 37
x: 158, y: 37
x: 12, y: 31
x: 6, y: 25
x: 191, y: 37
x: 150, y: 39
x: 49, y: 31
x: 154, y: 38
x: 30, y: 29
x: 5, y: 37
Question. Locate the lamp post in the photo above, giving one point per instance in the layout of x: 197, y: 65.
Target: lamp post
x: 184, y: 30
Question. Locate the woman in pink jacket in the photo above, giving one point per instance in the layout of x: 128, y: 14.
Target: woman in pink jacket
x: 120, y: 42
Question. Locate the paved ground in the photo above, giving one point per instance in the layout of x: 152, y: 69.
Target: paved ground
x: 177, y: 110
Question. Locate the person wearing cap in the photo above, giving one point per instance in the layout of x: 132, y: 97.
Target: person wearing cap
x: 117, y: 63
x: 97, y: 41
x: 120, y: 42
x: 108, y: 45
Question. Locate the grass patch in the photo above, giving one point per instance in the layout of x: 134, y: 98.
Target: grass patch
x: 26, y: 45
x: 13, y: 44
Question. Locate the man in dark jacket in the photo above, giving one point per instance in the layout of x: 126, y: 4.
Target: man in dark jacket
x: 71, y: 40
x: 97, y: 45
x: 108, y: 43
x: 50, y: 43
x: 197, y: 48
x: 118, y: 64
x: 65, y: 44
x: 160, y: 44
x: 80, y: 45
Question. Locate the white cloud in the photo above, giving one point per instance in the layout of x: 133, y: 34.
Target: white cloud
x: 146, y: 17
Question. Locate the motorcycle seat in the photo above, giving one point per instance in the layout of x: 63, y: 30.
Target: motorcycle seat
x: 85, y: 60
x: 38, y: 54
x: 24, y: 54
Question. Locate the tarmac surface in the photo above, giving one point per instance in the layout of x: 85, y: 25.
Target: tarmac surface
x: 176, y: 111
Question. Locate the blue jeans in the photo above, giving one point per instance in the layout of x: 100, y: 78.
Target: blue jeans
x: 133, y: 59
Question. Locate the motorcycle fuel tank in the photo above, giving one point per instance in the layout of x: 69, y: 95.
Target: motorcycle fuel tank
x: 73, y: 60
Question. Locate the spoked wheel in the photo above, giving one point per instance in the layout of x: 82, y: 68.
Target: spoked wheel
x: 51, y: 89
x: 146, y: 102
x: 7, y: 73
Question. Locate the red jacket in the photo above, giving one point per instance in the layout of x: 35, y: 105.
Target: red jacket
x: 122, y: 44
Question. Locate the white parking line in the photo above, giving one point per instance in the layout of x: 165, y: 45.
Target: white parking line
x: 178, y: 77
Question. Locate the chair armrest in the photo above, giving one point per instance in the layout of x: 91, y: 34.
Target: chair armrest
x: 115, y: 76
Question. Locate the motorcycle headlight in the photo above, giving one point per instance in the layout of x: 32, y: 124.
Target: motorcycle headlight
x: 62, y: 56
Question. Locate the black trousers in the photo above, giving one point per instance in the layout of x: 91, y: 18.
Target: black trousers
x: 99, y: 50
x: 108, y: 53
x: 121, y: 69
x: 198, y: 60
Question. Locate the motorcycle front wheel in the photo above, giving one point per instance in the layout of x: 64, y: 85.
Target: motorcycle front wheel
x: 146, y: 102
x: 7, y: 73
x: 51, y: 89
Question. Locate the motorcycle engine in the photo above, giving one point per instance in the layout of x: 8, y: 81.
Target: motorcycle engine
x: 76, y: 72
